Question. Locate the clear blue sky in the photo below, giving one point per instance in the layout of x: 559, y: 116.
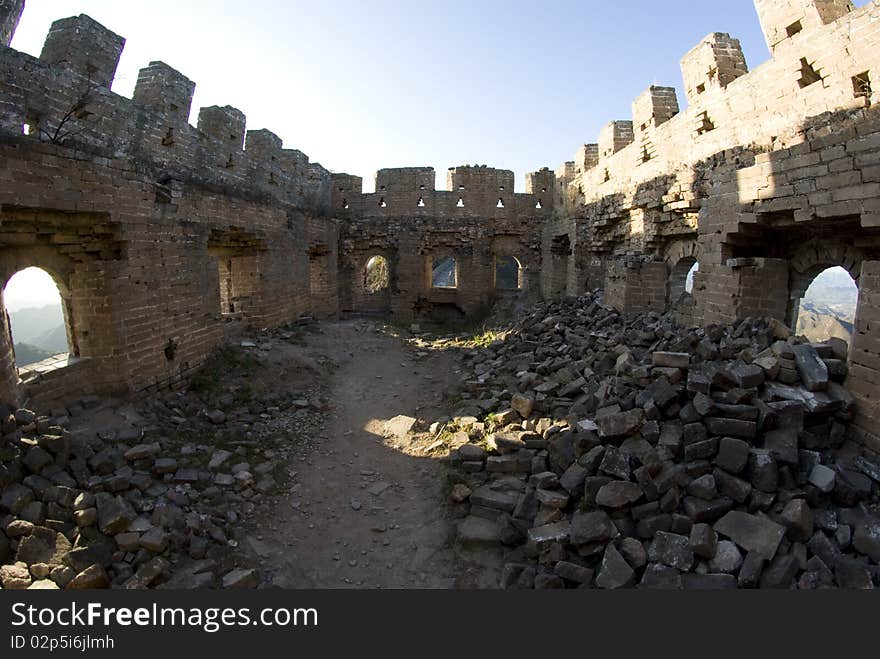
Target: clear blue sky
x: 364, y: 84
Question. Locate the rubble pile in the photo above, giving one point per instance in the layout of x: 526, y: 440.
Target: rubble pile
x: 608, y: 451
x: 158, y: 500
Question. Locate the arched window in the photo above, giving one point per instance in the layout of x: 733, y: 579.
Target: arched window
x: 828, y: 306
x: 508, y: 273
x: 444, y: 273
x: 689, y: 280
x: 681, y: 278
x: 376, y: 275
x: 36, y: 316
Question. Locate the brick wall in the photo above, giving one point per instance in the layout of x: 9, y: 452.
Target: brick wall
x: 864, y: 366
x: 633, y: 286
x: 769, y: 177
x: 152, y: 227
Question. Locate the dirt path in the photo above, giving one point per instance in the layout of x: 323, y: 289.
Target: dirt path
x: 363, y: 510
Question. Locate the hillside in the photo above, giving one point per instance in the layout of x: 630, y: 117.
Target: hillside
x: 32, y: 323
x: 53, y: 340
x: 828, y: 308
x: 820, y: 323
x: 38, y: 333
x: 25, y: 354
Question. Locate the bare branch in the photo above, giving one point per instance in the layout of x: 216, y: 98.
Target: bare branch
x: 79, y: 110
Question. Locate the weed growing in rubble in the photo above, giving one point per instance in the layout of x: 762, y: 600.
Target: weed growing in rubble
x: 492, y: 422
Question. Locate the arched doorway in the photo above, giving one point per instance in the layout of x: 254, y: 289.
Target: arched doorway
x: 37, y: 317
x: 376, y: 275
x: 508, y: 273
x: 373, y: 291
x: 681, y: 278
x: 824, y: 302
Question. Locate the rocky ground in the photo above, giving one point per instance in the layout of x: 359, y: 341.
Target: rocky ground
x: 294, y: 460
x: 611, y: 452
x: 367, y: 506
x: 577, y: 448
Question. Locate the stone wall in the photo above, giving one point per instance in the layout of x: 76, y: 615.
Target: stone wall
x: 478, y: 219
x: 766, y: 178
x: 864, y: 380
x: 164, y: 237
x: 160, y: 236
x: 633, y: 285
x: 64, y: 98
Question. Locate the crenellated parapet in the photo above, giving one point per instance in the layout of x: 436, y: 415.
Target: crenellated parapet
x: 712, y: 65
x: 472, y: 192
x: 586, y: 157
x: 226, y: 125
x: 83, y: 45
x: 542, y: 184
x: 63, y: 98
x: 346, y: 187
x: 645, y: 184
x: 653, y: 108
x: 404, y: 179
x: 614, y: 137
x: 264, y: 145
x: 479, y: 179
x: 165, y: 90
x: 783, y: 20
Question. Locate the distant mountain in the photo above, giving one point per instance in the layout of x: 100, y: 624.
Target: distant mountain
x: 38, y: 333
x: 30, y: 324
x: 828, y: 308
x: 25, y: 354
x: 821, y: 323
x: 833, y: 291
x: 53, y: 340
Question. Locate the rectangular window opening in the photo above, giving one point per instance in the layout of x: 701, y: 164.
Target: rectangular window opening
x: 862, y: 86
x: 444, y: 273
x: 793, y: 29
x: 809, y: 74
x: 705, y: 123
x: 31, y: 125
